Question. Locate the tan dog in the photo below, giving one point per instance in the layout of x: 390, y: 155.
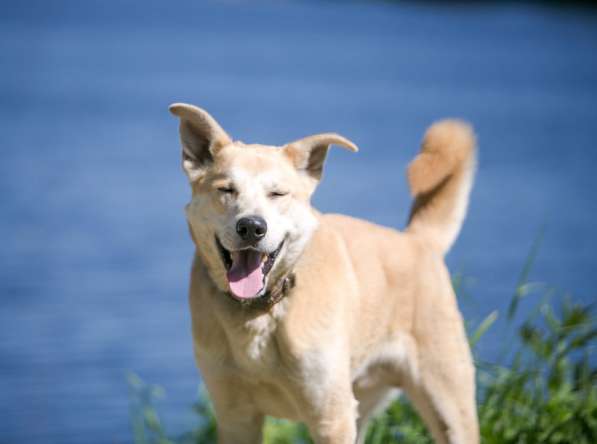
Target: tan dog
x: 322, y: 318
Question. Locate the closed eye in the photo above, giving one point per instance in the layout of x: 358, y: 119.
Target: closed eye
x: 226, y: 190
x: 275, y: 194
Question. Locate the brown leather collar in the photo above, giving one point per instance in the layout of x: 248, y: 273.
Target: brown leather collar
x: 274, y: 295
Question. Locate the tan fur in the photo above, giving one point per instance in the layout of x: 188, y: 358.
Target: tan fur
x: 372, y: 311
x: 440, y: 179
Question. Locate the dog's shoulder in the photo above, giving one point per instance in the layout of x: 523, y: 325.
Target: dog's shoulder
x: 373, y: 248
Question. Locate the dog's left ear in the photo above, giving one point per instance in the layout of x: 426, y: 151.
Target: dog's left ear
x: 201, y: 137
x: 309, y: 154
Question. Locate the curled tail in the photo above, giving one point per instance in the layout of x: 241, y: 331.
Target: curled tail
x: 440, y: 179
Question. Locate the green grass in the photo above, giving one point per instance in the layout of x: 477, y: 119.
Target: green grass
x: 548, y: 393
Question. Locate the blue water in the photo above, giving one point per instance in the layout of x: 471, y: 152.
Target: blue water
x: 95, y: 253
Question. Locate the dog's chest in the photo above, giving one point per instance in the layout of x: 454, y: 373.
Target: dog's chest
x: 252, y: 346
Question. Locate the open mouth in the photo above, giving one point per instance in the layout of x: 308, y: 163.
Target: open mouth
x: 246, y: 269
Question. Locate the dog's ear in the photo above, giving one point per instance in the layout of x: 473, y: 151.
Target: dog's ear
x: 201, y: 138
x: 309, y: 154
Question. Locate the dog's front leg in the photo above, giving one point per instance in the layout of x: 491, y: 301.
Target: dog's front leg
x: 239, y: 426
x: 237, y: 418
x: 333, y: 416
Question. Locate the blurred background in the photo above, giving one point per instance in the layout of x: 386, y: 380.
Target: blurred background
x: 95, y: 253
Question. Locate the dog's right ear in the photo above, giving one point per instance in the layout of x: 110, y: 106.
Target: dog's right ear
x: 201, y: 138
x: 308, y: 154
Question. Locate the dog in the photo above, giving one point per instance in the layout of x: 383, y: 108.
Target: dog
x: 320, y: 318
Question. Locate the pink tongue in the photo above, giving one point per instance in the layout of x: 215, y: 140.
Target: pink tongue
x: 245, y: 276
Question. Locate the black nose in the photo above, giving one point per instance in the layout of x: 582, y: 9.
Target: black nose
x: 251, y: 228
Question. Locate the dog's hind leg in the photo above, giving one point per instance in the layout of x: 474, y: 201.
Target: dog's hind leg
x: 443, y: 390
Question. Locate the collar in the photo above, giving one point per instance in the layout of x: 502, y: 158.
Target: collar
x: 274, y: 295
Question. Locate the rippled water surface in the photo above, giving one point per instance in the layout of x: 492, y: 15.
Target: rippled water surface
x: 95, y: 252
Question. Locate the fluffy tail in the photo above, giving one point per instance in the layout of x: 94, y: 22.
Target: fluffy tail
x: 440, y: 179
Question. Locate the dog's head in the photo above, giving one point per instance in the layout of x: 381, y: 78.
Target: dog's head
x: 250, y: 215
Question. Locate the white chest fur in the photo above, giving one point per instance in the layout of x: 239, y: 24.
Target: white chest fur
x: 249, y: 345
x: 252, y: 357
x: 253, y: 345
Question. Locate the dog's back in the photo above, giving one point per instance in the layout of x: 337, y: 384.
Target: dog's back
x: 409, y: 331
